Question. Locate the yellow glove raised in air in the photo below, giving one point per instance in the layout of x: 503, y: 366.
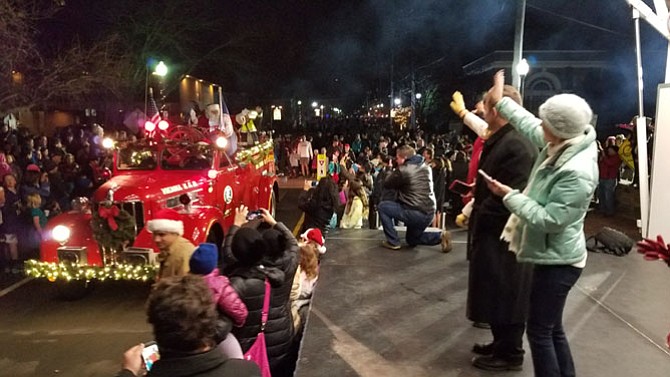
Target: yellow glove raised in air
x: 458, y: 105
x: 462, y: 221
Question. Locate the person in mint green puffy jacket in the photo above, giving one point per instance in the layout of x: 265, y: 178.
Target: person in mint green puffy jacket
x: 546, y: 227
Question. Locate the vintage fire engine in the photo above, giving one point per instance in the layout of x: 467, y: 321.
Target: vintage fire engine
x: 186, y: 170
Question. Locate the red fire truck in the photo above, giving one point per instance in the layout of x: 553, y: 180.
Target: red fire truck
x: 186, y: 170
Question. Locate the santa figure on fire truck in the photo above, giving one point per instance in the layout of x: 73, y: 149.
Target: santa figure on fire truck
x: 214, y: 121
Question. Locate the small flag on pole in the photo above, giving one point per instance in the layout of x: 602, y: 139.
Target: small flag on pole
x: 226, y: 121
x: 153, y: 113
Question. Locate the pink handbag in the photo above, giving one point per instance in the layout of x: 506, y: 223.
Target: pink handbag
x: 258, y: 351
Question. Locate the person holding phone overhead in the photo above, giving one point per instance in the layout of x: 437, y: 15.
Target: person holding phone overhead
x: 498, y: 286
x: 547, y: 223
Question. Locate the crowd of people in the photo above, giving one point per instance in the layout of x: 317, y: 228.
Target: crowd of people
x: 530, y: 182
x: 40, y: 175
x: 262, y: 286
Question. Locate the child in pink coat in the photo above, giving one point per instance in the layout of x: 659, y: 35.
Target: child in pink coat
x: 203, y: 262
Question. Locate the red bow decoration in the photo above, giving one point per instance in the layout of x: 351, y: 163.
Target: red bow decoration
x: 654, y: 249
x: 110, y: 213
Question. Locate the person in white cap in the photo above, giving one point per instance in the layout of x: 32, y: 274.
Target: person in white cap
x: 546, y: 227
x: 175, y: 251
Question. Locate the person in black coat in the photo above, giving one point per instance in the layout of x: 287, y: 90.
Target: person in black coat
x: 186, y: 346
x: 498, y: 286
x: 283, y: 253
x: 253, y: 264
x: 319, y: 203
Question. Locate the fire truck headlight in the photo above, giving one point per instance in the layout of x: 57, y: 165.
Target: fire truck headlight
x: 107, y: 143
x: 221, y: 142
x: 60, y: 233
x: 163, y: 125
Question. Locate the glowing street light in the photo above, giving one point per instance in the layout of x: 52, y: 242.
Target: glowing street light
x: 418, y: 96
x: 522, y: 68
x: 161, y: 69
x: 397, y: 101
x: 314, y: 104
x: 299, y: 102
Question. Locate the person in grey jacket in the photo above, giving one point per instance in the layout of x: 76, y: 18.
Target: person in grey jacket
x: 415, y: 203
x: 546, y: 227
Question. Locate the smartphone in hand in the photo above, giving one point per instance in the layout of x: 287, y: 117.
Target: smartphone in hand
x: 460, y: 187
x: 253, y: 215
x: 486, y: 176
x: 150, y: 354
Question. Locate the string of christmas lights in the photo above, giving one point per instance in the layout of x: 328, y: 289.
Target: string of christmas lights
x: 74, y: 271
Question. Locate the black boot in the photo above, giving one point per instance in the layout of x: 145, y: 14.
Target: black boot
x: 495, y: 363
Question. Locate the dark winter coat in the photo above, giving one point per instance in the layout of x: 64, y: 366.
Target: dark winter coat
x: 208, y: 364
x: 318, y: 211
x: 414, y: 182
x: 498, y: 288
x: 249, y: 282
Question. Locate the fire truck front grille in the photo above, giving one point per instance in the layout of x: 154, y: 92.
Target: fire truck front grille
x: 136, y: 209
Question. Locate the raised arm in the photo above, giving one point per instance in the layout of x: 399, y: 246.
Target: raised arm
x: 524, y: 121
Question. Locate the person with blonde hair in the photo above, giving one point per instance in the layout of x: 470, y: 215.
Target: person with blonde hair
x: 38, y: 221
x: 306, y: 277
x: 356, y: 208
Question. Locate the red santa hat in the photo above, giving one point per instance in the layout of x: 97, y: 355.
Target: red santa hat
x: 314, y: 235
x: 166, y: 220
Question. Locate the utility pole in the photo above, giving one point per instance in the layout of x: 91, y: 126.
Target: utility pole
x: 391, y: 104
x: 518, y: 42
x: 413, y: 102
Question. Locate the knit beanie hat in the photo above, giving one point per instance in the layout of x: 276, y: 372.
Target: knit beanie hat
x: 204, y: 259
x: 566, y: 115
x: 248, y: 246
x: 275, y: 241
x: 166, y: 220
x: 314, y: 235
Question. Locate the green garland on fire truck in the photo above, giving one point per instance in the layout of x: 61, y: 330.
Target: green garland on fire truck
x: 113, y: 227
x: 248, y: 155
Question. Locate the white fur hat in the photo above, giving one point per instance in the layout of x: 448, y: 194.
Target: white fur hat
x: 166, y: 220
x: 566, y: 115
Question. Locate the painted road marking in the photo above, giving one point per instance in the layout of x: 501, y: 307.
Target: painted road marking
x: 14, y: 286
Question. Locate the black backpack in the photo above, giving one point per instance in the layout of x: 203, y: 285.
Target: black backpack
x: 610, y: 241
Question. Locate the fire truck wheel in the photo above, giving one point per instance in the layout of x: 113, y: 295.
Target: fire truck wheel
x: 73, y: 290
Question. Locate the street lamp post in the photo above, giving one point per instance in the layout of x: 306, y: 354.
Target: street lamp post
x: 160, y: 70
x: 522, y: 70
x: 300, y: 113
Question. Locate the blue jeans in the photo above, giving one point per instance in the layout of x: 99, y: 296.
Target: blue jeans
x: 548, y: 344
x: 416, y: 222
x: 606, y: 189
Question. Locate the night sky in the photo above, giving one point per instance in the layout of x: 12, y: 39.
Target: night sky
x: 344, y: 50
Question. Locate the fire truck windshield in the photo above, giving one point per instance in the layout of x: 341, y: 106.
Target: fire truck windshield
x: 136, y: 158
x: 189, y: 157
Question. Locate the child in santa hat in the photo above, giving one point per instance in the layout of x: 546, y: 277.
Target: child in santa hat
x: 315, y: 237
